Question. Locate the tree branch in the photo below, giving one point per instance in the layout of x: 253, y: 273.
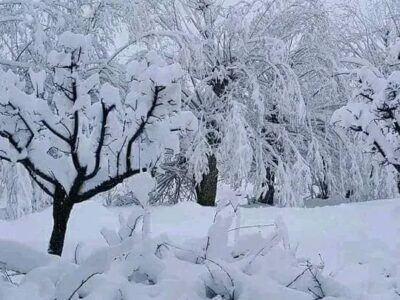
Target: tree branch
x: 108, y: 185
x: 40, y: 184
x: 15, y: 64
x: 105, y: 112
x: 142, y: 126
x: 56, y: 133
x: 26, y: 162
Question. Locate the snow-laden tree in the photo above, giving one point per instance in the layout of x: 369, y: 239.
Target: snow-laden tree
x: 78, y: 135
x: 27, y: 28
x: 353, y: 35
x: 240, y: 86
x: 313, y: 57
x: 311, y: 33
x: 374, y: 111
x: 367, y: 29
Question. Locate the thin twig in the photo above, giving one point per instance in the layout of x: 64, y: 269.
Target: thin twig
x: 297, y: 277
x: 251, y: 226
x: 81, y: 284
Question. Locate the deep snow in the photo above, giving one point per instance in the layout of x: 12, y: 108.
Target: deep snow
x: 357, y: 242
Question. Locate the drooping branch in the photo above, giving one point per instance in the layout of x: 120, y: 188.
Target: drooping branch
x: 165, y: 33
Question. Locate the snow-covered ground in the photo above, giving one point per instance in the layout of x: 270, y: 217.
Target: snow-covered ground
x: 358, y: 243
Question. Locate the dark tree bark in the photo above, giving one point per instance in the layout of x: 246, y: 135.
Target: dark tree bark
x: 398, y: 186
x: 268, y: 197
x: 206, y: 191
x: 323, y: 182
x: 324, y: 189
x: 62, y: 207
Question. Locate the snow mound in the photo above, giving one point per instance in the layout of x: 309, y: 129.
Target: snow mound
x: 144, y: 267
x: 20, y: 258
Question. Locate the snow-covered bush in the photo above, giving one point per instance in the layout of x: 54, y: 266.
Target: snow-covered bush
x: 136, y: 265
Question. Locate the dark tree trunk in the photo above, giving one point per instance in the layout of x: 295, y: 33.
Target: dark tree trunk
x: 62, y: 207
x: 206, y: 191
x: 268, y: 197
x: 397, y: 168
x: 324, y: 186
x: 398, y: 184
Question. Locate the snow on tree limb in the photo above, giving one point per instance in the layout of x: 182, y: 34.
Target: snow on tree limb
x: 113, y: 126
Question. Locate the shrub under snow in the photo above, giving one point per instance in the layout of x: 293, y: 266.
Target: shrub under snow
x: 222, y: 265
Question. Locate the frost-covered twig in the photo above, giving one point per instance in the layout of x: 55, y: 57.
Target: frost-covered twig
x: 81, y: 284
x: 251, y: 226
x: 268, y: 245
x: 228, y: 292
x: 297, y: 277
x: 223, y: 270
x: 132, y: 229
x: 309, y: 268
x: 318, y: 297
x: 318, y: 282
x: 165, y: 244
